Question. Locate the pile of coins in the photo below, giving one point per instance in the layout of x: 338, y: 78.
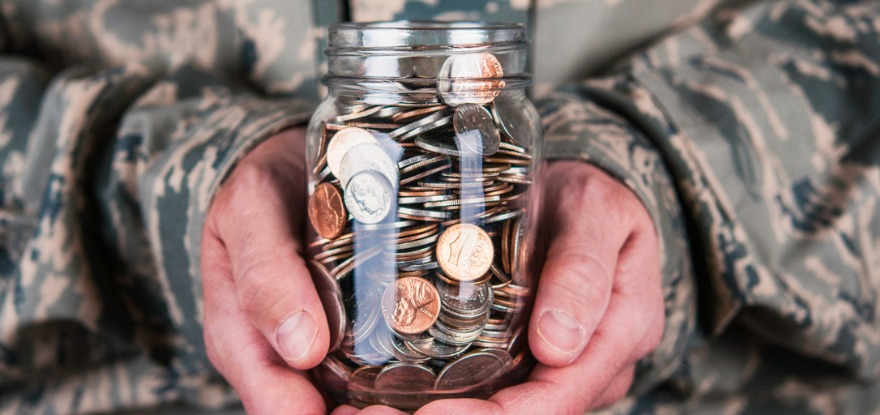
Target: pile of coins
x: 420, y: 214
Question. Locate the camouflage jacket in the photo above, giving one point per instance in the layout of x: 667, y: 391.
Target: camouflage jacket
x: 750, y: 130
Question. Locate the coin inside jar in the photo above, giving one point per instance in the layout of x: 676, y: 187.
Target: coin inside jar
x: 327, y: 211
x: 410, y: 305
x: 342, y: 142
x: 369, y: 197
x: 470, y: 117
x: 465, y: 252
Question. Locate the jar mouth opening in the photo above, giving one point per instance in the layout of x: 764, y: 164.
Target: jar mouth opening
x: 423, y: 34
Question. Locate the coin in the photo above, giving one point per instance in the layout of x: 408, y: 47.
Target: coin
x: 363, y: 157
x: 331, y: 298
x: 472, y: 369
x: 327, y: 211
x: 410, y: 305
x: 342, y: 142
x: 465, y: 252
x: 513, y: 121
x: 437, y: 349
x: 405, y: 377
x: 368, y: 197
x: 465, y: 298
x: 471, y: 85
x: 470, y: 117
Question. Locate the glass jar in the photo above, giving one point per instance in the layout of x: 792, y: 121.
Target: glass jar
x: 421, y: 166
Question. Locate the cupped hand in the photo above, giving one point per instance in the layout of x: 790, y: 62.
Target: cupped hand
x: 263, y: 323
x: 599, y: 306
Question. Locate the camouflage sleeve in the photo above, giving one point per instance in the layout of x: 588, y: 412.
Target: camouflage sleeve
x: 754, y: 136
x: 106, y: 176
x: 106, y: 183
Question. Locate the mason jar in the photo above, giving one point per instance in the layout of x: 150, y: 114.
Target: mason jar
x: 422, y: 163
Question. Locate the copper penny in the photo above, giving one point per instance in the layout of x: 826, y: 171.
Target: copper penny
x: 327, y: 211
x: 410, y: 305
x: 465, y: 252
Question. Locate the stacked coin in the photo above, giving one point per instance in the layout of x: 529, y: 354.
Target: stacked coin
x: 420, y: 211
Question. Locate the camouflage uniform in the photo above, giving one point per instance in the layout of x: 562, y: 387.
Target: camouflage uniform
x: 751, y: 131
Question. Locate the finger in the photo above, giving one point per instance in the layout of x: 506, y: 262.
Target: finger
x: 616, y: 390
x: 576, y: 281
x: 272, y: 283
x: 345, y: 410
x: 461, y: 406
x: 375, y: 410
x: 241, y: 354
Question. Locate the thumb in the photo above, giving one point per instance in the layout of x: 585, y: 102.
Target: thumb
x: 273, y: 285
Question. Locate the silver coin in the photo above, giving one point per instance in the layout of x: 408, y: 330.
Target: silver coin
x: 465, y: 298
x: 470, y: 117
x: 405, y: 377
x: 369, y: 197
x: 342, y: 142
x: 363, y: 157
x: 365, y: 316
x: 331, y: 298
x: 511, y: 118
x: 437, y: 349
x: 473, y: 369
x: 417, y: 124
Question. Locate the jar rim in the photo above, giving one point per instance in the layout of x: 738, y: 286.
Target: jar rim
x: 423, y: 33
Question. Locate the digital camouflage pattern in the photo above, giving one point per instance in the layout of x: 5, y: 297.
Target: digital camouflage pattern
x: 750, y: 130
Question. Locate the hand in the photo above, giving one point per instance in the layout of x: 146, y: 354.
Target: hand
x: 599, y: 306
x: 264, y: 323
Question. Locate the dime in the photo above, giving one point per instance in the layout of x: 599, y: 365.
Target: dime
x: 476, y: 118
x: 465, y: 252
x: 369, y: 197
x: 405, y: 377
x: 410, y: 305
x: 363, y: 157
x: 327, y: 211
x: 342, y: 142
x: 331, y: 298
x: 473, y: 368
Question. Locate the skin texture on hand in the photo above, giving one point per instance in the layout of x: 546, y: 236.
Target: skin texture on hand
x: 599, y: 307
x: 264, y: 323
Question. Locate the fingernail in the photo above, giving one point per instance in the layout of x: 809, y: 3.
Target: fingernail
x: 561, y: 332
x: 295, y: 335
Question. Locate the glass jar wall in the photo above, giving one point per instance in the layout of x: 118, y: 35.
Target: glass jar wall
x: 422, y: 198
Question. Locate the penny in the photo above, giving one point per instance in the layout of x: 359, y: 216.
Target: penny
x: 364, y: 377
x: 342, y: 142
x: 472, y: 369
x: 327, y: 211
x: 331, y: 298
x: 465, y: 252
x: 476, y: 118
x: 410, y: 305
x: 462, y: 79
x: 364, y: 157
x: 369, y: 197
x: 405, y: 377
